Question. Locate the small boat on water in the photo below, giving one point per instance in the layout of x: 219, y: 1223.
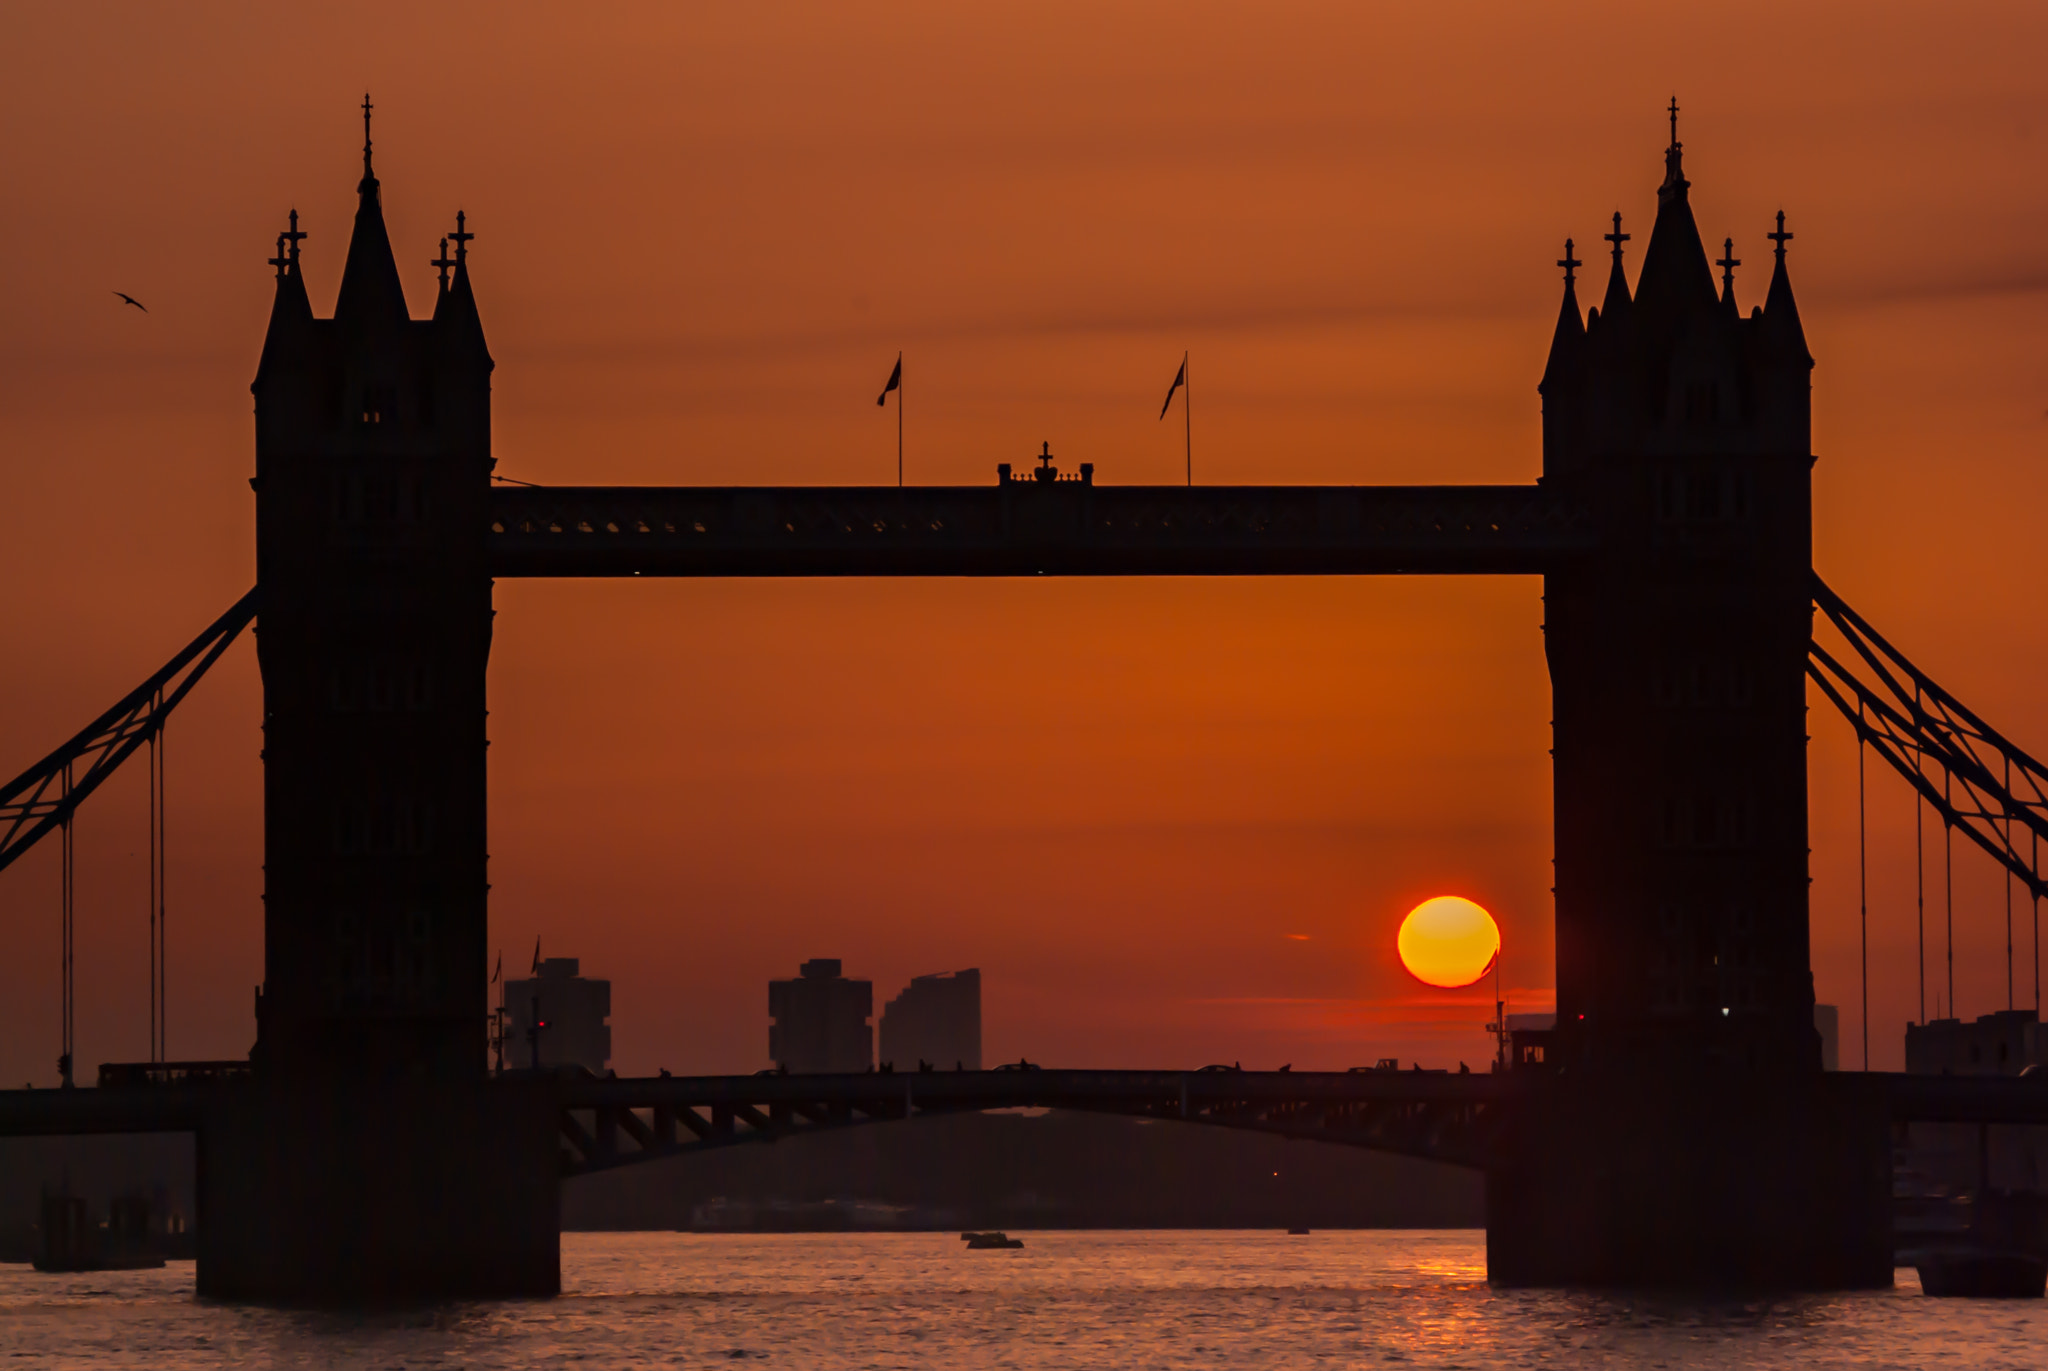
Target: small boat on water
x: 977, y: 1241
x: 1981, y: 1272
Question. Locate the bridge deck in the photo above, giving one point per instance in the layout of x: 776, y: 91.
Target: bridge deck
x: 615, y: 1122
x: 1030, y: 528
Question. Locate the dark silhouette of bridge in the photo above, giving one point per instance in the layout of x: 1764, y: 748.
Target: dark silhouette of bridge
x: 1675, y: 1126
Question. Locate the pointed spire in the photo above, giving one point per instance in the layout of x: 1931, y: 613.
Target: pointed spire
x: 1676, y: 280
x: 291, y: 313
x: 1728, y: 261
x: 369, y: 181
x: 455, y: 314
x: 293, y: 236
x: 1568, y: 339
x: 371, y: 295
x: 1614, y: 306
x: 1674, y: 172
x: 1781, y: 311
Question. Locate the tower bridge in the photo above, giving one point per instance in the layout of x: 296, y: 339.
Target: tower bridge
x: 1679, y: 1129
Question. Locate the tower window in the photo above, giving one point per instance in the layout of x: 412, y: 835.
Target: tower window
x: 419, y: 687
x: 378, y: 401
x: 1703, y: 495
x: 1676, y: 812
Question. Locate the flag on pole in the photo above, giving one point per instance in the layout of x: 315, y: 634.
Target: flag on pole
x: 895, y: 380
x: 536, y: 956
x: 1179, y: 379
x: 499, y: 970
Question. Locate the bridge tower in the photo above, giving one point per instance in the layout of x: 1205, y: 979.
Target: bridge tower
x: 373, y: 1158
x: 1692, y: 1134
x: 1678, y: 664
x: 373, y: 443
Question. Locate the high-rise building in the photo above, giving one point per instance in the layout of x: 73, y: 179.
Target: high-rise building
x: 2001, y: 1044
x: 820, y: 1020
x: 558, y: 1018
x: 1827, y: 1021
x: 936, y: 1019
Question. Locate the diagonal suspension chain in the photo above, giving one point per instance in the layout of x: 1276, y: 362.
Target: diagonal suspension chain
x: 1975, y: 778
x: 45, y: 796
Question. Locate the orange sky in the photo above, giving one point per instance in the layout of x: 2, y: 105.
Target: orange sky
x: 702, y: 237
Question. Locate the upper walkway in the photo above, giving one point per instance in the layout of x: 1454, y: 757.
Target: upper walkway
x: 1017, y: 527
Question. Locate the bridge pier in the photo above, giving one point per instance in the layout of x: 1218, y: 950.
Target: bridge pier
x: 348, y: 1191
x: 1707, y: 1182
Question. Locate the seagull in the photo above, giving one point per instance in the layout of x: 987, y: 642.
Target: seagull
x: 132, y: 300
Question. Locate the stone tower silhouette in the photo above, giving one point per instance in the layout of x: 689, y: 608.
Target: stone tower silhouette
x: 1686, y: 1134
x: 1677, y: 661
x: 373, y: 442
x: 372, y: 1157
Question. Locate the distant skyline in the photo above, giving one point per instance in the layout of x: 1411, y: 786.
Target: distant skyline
x: 1184, y: 819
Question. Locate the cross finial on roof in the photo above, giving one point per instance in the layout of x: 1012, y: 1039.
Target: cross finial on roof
x: 1674, y: 121
x: 444, y: 261
x: 1569, y: 262
x: 1780, y: 237
x: 367, y: 107
x: 1728, y: 262
x: 292, y: 236
x: 1617, y: 237
x: 280, y: 261
x: 461, y: 237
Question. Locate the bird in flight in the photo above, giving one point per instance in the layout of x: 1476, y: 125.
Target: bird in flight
x: 132, y: 300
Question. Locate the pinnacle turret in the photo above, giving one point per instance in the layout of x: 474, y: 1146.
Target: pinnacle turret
x: 1614, y: 305
x: 1781, y: 311
x: 371, y: 295
x: 1676, y: 280
x: 1567, y: 341
x: 455, y: 313
x: 1671, y: 369
x: 291, y: 313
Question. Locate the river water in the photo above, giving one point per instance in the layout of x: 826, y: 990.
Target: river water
x: 1066, y: 1299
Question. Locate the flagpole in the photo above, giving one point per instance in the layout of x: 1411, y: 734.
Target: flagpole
x: 899, y: 421
x: 1187, y: 409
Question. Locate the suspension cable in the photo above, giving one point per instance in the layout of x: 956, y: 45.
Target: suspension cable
x: 159, y: 928
x: 163, y: 897
x: 1863, y: 887
x: 1920, y: 867
x: 67, y: 899
x: 26, y: 811
x: 154, y: 761
x: 1948, y: 874
x: 2008, y: 892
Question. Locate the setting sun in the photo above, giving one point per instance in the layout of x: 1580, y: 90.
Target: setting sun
x: 1448, y: 942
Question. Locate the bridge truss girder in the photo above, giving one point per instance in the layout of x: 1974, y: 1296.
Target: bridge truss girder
x: 1432, y: 1116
